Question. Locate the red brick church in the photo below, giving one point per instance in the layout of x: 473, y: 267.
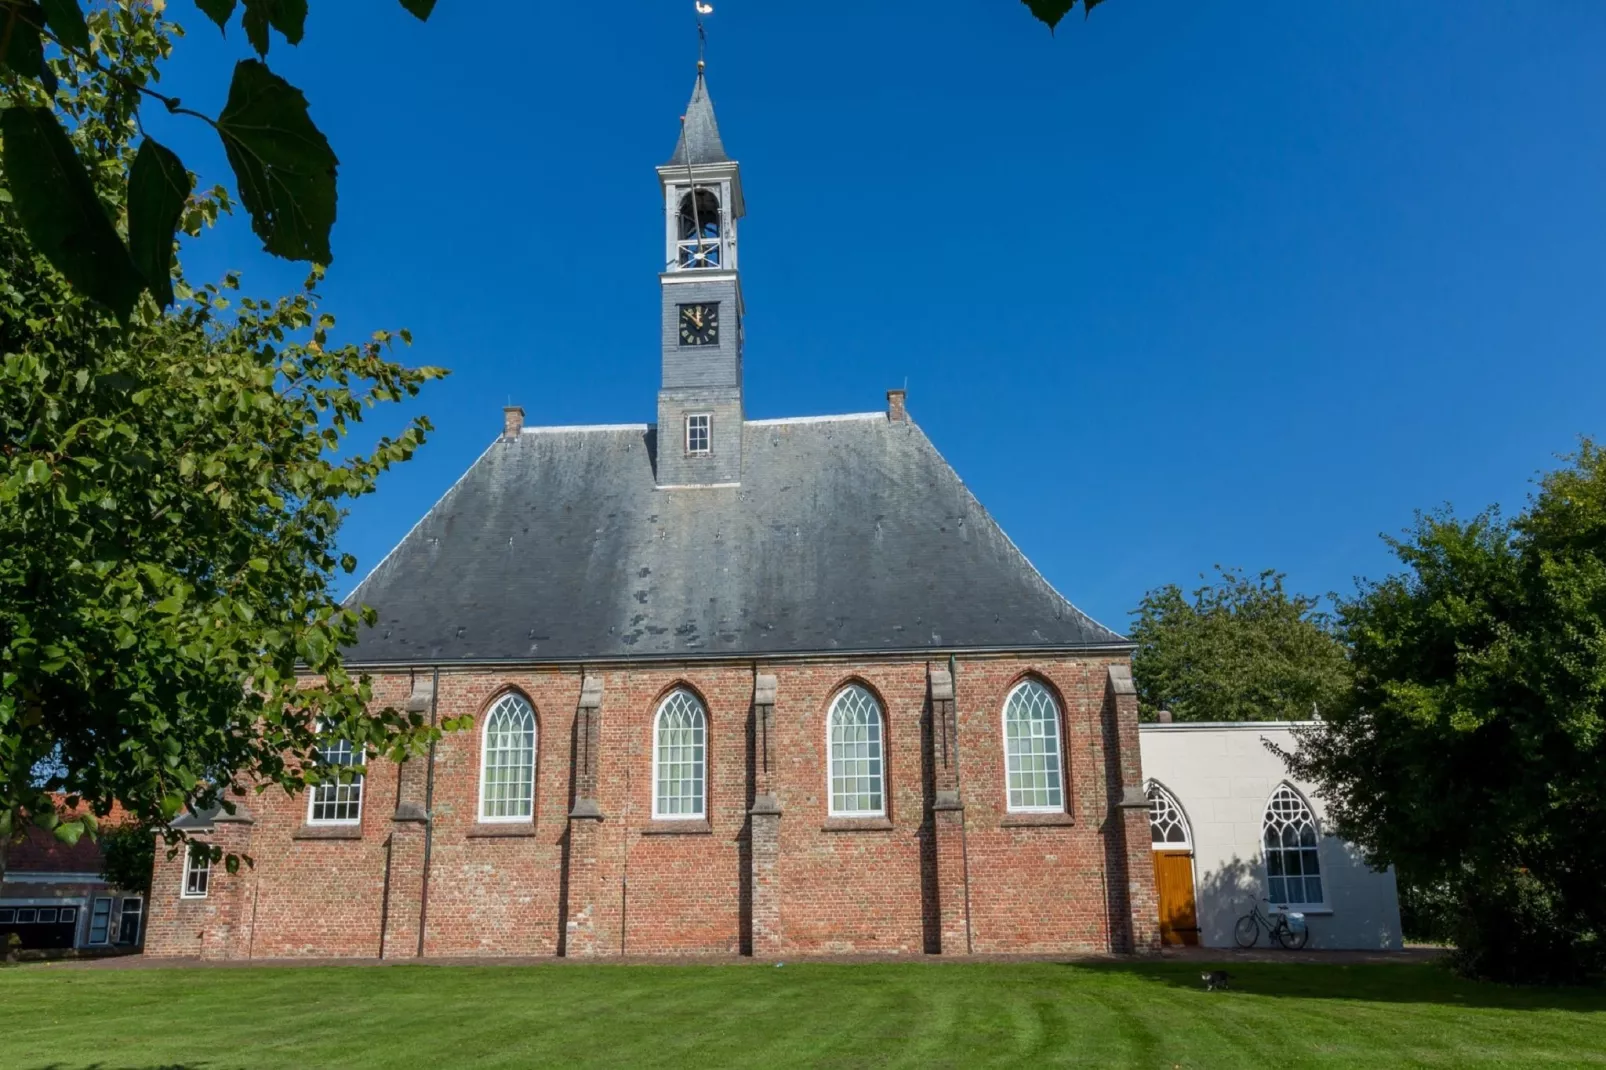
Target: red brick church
x: 771, y: 687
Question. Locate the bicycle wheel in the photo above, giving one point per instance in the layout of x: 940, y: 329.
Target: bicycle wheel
x: 1246, y: 932
x: 1290, y: 939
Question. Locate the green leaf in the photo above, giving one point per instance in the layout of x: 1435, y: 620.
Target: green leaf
x: 21, y: 48
x: 1051, y: 11
x: 59, y: 210
x: 158, y: 186
x: 420, y: 8
x: 69, y: 832
x: 219, y: 11
x: 282, y: 163
x: 66, y: 21
x: 287, y: 16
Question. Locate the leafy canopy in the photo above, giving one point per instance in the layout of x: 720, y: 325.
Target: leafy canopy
x: 170, y: 493
x: 1473, y: 756
x: 1243, y: 649
x: 284, y: 169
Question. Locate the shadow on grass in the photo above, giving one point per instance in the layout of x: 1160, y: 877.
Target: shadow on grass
x: 1361, y: 983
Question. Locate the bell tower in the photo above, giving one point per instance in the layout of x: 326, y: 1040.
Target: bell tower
x: 699, y: 440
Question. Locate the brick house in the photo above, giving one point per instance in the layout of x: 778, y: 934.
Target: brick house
x: 778, y: 687
x: 53, y: 897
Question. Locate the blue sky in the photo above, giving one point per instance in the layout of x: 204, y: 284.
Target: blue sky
x: 1182, y: 284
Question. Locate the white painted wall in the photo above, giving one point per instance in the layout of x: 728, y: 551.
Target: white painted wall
x: 1222, y: 775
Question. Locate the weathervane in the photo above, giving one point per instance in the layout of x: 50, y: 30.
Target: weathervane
x: 702, y: 38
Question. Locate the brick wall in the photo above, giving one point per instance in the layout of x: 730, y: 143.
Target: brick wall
x: 961, y: 875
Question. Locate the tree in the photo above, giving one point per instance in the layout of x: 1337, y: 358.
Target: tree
x: 1242, y: 650
x: 283, y: 166
x: 170, y: 492
x: 1052, y: 11
x: 1473, y: 756
x: 128, y: 857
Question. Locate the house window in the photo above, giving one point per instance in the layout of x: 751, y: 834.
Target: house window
x: 100, y: 919
x: 679, y: 753
x: 27, y: 916
x: 1032, y: 749
x: 698, y: 427
x: 69, y: 915
x: 507, y: 762
x: 1293, y: 863
x: 197, y: 878
x: 335, y: 801
x: 1168, y: 829
x: 8, y: 917
x: 47, y: 916
x: 129, y: 922
x: 856, y: 765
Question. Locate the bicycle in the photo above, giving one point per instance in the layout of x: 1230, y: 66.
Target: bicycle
x: 1291, y: 935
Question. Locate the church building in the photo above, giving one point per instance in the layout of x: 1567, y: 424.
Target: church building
x: 768, y: 687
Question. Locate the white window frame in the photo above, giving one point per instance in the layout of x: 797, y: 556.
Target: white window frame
x: 204, y: 872
x: 138, y: 913
x: 89, y: 934
x: 512, y: 700
x: 1265, y: 853
x: 356, y: 784
x: 657, y: 724
x: 707, y: 419
x: 1059, y: 751
x: 880, y: 748
x: 1157, y: 793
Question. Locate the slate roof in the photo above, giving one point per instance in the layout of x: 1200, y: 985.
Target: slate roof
x: 846, y: 534
x: 699, y: 135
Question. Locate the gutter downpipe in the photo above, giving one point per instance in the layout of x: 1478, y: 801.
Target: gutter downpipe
x: 964, y: 845
x: 429, y: 810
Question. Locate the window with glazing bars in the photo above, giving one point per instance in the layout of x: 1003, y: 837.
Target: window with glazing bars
x: 1293, y: 861
x: 507, y: 762
x: 336, y: 801
x: 197, y: 876
x: 697, y: 432
x: 856, y: 760
x: 679, y: 753
x: 1032, y: 749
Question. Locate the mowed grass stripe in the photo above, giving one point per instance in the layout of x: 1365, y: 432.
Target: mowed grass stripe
x: 914, y: 1014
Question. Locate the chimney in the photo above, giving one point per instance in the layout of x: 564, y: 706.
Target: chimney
x: 512, y: 422
x: 896, y: 412
x: 1165, y: 717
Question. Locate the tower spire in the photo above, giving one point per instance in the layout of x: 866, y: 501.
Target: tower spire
x: 699, y: 133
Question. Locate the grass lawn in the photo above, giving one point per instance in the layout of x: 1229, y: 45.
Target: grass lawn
x: 1152, y: 1014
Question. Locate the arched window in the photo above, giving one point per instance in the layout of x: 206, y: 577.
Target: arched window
x: 679, y: 749
x: 1168, y: 828
x: 1032, y: 749
x: 697, y: 229
x: 854, y: 731
x: 507, y: 762
x: 1293, y: 866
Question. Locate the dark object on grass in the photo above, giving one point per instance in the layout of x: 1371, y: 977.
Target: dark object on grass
x: 1215, y: 979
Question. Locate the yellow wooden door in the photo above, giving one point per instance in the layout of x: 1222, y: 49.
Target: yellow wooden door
x: 1173, y: 879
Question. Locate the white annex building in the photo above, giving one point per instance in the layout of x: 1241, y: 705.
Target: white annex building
x: 1230, y: 828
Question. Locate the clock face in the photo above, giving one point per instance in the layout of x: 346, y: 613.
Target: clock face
x: 699, y: 325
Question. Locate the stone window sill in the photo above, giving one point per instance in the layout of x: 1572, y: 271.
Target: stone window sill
x: 327, y: 832
x: 856, y: 824
x: 678, y: 828
x: 491, y: 830
x: 1026, y: 821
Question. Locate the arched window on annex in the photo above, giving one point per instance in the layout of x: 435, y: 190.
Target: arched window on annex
x: 857, y: 763
x: 1033, y: 754
x: 1168, y: 825
x: 1293, y: 862
x: 680, y: 758
x: 507, y: 760
x: 698, y: 230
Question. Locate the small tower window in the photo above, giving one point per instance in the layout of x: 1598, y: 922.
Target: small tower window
x: 698, y: 231
x: 697, y: 432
